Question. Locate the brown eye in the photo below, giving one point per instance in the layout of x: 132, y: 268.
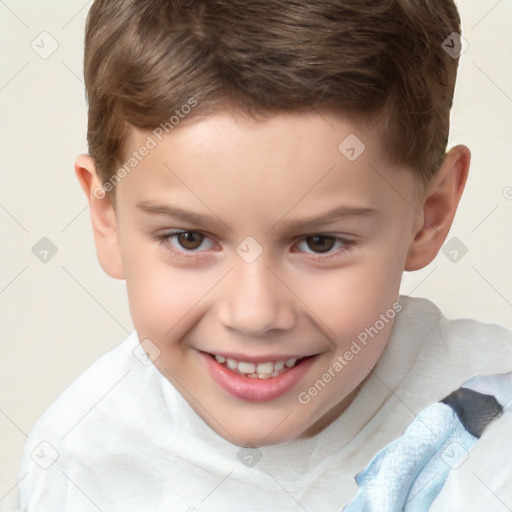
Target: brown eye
x: 320, y: 243
x: 190, y: 240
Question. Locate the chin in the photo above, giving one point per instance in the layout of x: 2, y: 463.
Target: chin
x: 259, y: 433
x: 261, y: 438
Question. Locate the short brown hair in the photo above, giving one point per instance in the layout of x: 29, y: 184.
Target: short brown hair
x: 145, y: 59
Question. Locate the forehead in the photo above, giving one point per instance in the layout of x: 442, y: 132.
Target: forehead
x: 315, y: 134
x: 278, y: 163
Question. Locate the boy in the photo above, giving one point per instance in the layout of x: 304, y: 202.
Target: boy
x: 261, y: 173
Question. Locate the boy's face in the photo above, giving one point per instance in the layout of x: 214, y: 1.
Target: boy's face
x: 256, y: 279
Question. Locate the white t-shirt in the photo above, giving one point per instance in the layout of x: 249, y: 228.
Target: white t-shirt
x: 122, y: 438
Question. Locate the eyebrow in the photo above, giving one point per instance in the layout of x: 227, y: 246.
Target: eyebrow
x: 175, y: 212
x: 343, y: 213
x: 339, y: 213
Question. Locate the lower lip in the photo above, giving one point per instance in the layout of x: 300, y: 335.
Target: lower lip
x: 256, y: 390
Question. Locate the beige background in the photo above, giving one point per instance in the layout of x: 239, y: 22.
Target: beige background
x: 59, y: 316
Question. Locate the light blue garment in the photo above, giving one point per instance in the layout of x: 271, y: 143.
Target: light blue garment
x: 409, y: 473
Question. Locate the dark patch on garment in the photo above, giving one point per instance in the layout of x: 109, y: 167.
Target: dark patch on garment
x: 475, y: 410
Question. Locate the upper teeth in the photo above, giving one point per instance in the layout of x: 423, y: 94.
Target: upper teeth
x: 261, y: 368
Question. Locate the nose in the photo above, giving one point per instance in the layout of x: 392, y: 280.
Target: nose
x: 256, y: 301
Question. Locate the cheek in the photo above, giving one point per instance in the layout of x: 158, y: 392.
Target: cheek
x: 158, y: 294
x: 164, y: 298
x: 347, y: 300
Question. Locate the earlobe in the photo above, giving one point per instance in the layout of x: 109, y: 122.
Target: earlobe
x: 439, y: 207
x: 103, y: 217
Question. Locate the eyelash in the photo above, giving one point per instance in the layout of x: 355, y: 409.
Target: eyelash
x: 193, y: 255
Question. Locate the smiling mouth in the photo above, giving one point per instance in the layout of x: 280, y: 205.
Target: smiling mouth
x: 257, y: 379
x: 263, y: 370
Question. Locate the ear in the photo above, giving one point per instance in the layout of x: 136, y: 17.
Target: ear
x: 103, y: 217
x: 439, y: 207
